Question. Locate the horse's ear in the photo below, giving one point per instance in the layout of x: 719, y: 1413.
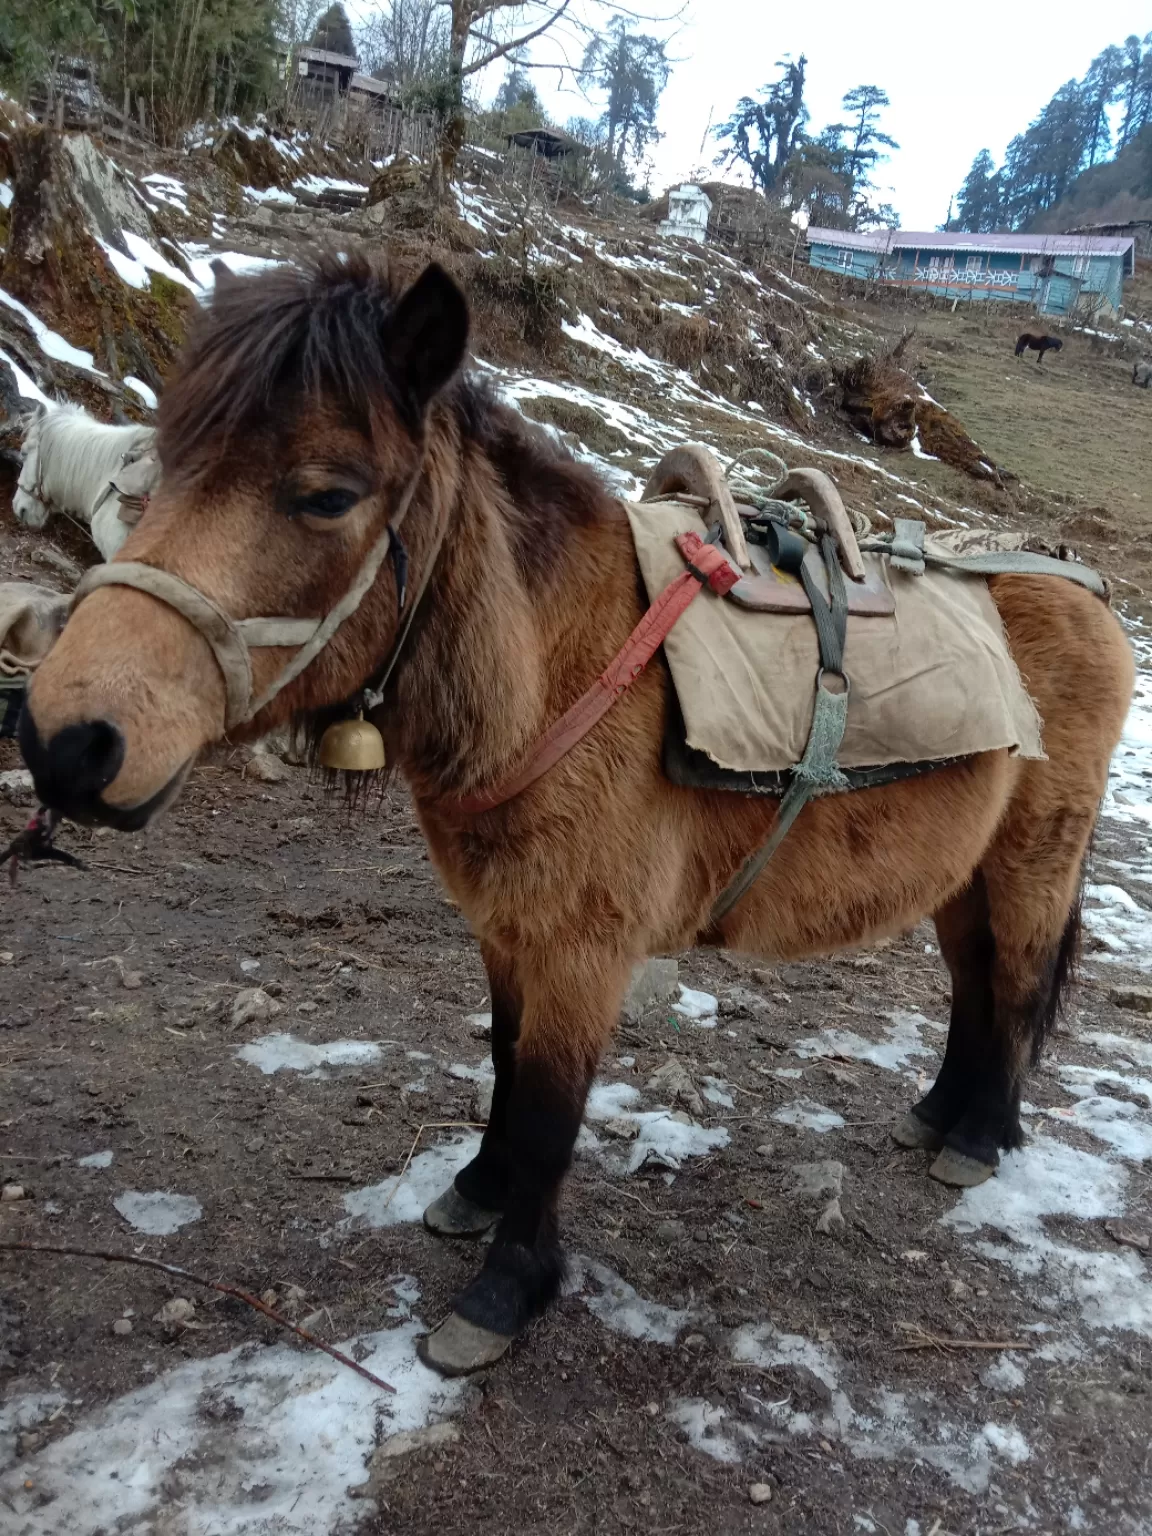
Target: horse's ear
x: 428, y: 334
x: 223, y: 275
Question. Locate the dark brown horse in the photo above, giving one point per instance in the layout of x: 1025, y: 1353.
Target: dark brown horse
x: 310, y: 410
x: 1031, y: 342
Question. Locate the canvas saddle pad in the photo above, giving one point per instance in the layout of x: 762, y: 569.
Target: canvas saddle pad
x: 934, y: 680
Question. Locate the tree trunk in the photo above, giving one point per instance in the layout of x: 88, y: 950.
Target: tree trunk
x: 454, y: 127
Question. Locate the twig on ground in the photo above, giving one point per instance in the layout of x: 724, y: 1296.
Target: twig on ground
x: 928, y: 1340
x: 211, y: 1285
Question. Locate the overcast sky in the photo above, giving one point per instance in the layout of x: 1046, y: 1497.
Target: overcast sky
x: 960, y: 78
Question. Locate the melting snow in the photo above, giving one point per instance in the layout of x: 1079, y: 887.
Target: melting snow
x: 96, y: 1160
x: 700, y: 1007
x: 809, y: 1115
x: 284, y: 1053
x: 401, y: 1198
x: 1112, y: 1289
x: 49, y: 342
x: 146, y: 393
x: 902, y: 1040
x: 241, y: 1444
x: 26, y: 387
x: 157, y: 1213
x: 620, y: 1308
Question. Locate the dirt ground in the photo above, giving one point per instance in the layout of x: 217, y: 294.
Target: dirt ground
x: 118, y: 988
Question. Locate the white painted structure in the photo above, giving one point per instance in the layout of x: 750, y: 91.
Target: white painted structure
x: 689, y: 209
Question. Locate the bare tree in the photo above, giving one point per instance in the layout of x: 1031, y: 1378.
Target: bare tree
x: 406, y: 42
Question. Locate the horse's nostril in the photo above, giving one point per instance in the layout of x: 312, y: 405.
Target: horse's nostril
x: 72, y: 770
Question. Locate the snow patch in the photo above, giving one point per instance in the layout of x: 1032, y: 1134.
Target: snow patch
x: 96, y: 1160
x: 404, y: 1197
x: 901, y: 1041
x: 158, y: 1213
x: 284, y: 1053
x: 240, y: 1444
x: 700, y: 1007
x: 809, y: 1116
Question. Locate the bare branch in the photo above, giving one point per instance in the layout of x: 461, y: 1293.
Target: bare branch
x: 518, y: 42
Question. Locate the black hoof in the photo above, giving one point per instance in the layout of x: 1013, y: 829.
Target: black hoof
x: 458, y: 1347
x: 961, y: 1171
x: 916, y: 1134
x: 454, y: 1215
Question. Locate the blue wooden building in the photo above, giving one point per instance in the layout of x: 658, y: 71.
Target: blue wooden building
x: 1057, y: 274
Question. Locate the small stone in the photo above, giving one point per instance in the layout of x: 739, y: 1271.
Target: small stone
x: 914, y: 1256
x: 270, y: 1298
x: 1129, y: 1236
x: 122, y: 1327
x: 132, y: 980
x: 670, y: 1232
x: 1135, y: 999
x: 957, y: 1289
x: 308, y: 1007
x: 760, y: 1493
x: 621, y: 1127
x: 652, y: 1410
x: 6, y: 957
x: 823, y: 1180
x: 387, y: 1460
x: 40, y: 1093
x: 10, y: 1193
x: 176, y: 1313
x: 766, y: 1149
x: 831, y: 1218
x: 253, y: 1144
x: 29, y: 1442
x: 681, y: 1117
x: 653, y: 986
x: 253, y: 1005
x: 314, y: 1320
x: 16, y: 786
x: 673, y: 1083
x: 266, y: 769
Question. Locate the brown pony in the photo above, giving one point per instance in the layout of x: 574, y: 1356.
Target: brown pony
x: 310, y: 408
x: 1029, y: 342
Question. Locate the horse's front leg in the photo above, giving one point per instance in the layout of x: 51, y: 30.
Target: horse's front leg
x: 570, y: 1005
x: 472, y: 1203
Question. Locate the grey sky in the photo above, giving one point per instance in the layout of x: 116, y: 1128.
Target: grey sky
x: 960, y: 77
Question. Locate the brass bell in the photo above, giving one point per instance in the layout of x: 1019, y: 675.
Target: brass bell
x: 352, y: 746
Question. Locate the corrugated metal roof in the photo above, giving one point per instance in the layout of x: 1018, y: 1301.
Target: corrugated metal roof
x: 960, y: 240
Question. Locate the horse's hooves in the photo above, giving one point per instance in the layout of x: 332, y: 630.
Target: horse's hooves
x: 960, y: 1170
x: 917, y: 1134
x: 454, y: 1215
x: 458, y: 1347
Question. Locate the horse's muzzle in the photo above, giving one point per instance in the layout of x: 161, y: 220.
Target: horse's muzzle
x: 72, y: 771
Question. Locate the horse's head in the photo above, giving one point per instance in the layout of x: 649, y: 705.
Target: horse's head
x: 291, y: 437
x: 28, y: 504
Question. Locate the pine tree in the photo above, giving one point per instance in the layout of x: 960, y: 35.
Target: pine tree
x: 766, y: 134
x: 978, y: 201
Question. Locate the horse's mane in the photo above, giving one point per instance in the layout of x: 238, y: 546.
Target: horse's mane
x: 321, y: 329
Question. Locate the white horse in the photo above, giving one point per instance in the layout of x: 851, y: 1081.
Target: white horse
x: 70, y: 464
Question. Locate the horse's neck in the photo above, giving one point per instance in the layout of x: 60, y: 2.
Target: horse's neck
x: 500, y: 656
x: 470, y: 692
x: 78, y: 459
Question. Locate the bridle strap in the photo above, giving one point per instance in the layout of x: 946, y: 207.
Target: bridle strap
x: 231, y: 639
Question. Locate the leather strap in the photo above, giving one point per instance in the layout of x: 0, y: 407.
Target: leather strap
x: 233, y: 639
x: 707, y: 566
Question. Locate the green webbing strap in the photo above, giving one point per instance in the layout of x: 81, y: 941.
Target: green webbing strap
x: 817, y: 772
x: 995, y: 562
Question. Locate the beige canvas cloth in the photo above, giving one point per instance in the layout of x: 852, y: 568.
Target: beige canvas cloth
x: 31, y: 618
x: 935, y: 680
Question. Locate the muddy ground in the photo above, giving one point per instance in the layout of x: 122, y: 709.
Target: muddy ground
x: 119, y: 984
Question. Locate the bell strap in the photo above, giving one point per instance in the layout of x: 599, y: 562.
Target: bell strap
x: 231, y: 639
x: 707, y: 566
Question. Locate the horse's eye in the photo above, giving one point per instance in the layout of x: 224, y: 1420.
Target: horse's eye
x: 331, y: 503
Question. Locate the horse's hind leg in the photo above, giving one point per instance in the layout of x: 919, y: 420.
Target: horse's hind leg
x: 472, y: 1203
x: 570, y: 1005
x: 1010, y: 943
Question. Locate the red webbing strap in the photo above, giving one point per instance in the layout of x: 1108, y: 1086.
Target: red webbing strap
x: 706, y: 566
